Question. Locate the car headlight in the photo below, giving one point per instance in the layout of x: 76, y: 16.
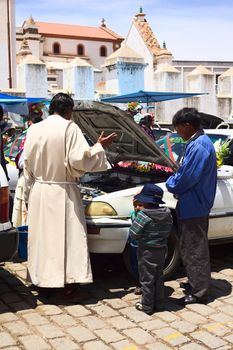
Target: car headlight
x: 100, y: 209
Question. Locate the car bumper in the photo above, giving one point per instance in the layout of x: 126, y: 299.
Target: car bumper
x: 107, y: 235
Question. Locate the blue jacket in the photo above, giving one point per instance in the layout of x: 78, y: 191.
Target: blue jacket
x: 196, y: 179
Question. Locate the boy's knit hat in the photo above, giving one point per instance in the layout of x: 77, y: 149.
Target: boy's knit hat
x: 150, y: 193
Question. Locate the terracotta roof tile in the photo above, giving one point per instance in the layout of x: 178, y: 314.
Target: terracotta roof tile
x: 149, y: 37
x: 57, y: 29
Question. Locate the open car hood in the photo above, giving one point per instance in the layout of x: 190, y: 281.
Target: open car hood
x: 131, y: 144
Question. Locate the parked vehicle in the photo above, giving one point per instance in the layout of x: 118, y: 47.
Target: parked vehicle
x: 11, y: 150
x: 135, y: 159
x: 8, y: 235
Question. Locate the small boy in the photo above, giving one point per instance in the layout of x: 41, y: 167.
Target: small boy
x: 151, y: 229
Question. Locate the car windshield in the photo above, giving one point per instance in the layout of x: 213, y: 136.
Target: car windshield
x: 173, y: 145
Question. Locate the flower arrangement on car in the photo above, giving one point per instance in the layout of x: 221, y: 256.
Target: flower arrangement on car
x: 37, y: 108
x: 222, y: 151
x: 133, y: 105
x: 143, y: 167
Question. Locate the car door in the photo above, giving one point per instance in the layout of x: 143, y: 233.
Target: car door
x: 221, y: 215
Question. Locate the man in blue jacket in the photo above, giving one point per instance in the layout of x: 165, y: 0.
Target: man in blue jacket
x: 194, y: 185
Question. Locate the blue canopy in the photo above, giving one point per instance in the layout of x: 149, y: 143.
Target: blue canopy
x: 149, y: 96
x: 17, y: 104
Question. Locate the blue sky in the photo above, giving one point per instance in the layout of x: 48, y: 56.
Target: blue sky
x: 191, y: 29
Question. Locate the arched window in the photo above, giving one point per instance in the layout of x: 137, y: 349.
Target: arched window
x: 56, y: 48
x: 103, y: 51
x: 80, y: 50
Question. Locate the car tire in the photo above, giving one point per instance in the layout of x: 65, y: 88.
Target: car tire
x: 172, y: 261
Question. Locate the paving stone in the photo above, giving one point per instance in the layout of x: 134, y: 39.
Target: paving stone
x: 192, y: 317
x: 97, y: 345
x: 81, y: 334
x: 49, y: 310
x: 109, y: 335
x: 63, y: 320
x: 203, y: 310
x: 158, y: 346
x: 152, y: 324
x: 6, y: 339
x: 18, y: 328
x: 120, y: 322
x: 139, y: 336
x: 167, y: 316
x: 105, y: 311
x: 221, y: 317
x: 227, y: 272
x: 229, y: 338
x: 216, y: 303
x: 192, y: 347
x: 124, y: 345
x: 216, y: 328
x: 77, y: 310
x: 135, y: 315
x: 7, y: 317
x: 171, y: 336
x: 22, y: 274
x: 12, y: 348
x: 228, y: 309
x: 35, y: 319
x: 116, y: 303
x: 93, y: 322
x: 50, y: 331
x: 16, y: 267
x: 184, y: 326
x: 208, y: 339
x: 34, y: 342
x: 63, y: 344
x: 130, y: 297
x: 229, y: 300
x: 229, y: 324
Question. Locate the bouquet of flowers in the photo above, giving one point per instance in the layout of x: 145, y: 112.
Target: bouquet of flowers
x: 133, y: 105
x: 37, y: 108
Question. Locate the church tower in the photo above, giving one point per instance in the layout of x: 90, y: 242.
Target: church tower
x: 7, y: 45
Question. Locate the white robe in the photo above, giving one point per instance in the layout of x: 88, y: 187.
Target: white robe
x: 56, y: 155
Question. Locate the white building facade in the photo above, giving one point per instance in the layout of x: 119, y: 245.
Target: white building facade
x: 7, y: 44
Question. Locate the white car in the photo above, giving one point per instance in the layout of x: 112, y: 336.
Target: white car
x: 134, y: 160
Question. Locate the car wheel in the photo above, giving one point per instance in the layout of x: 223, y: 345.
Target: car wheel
x: 172, y: 261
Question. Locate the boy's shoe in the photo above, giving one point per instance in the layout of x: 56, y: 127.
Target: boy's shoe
x: 138, y: 291
x: 186, y: 286
x: 139, y: 307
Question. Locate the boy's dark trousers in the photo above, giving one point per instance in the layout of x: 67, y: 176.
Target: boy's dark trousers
x: 150, y: 267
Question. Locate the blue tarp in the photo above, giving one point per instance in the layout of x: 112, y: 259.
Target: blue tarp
x: 17, y: 104
x: 149, y: 96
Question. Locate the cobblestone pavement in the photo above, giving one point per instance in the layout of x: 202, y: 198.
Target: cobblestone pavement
x: 108, y: 319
